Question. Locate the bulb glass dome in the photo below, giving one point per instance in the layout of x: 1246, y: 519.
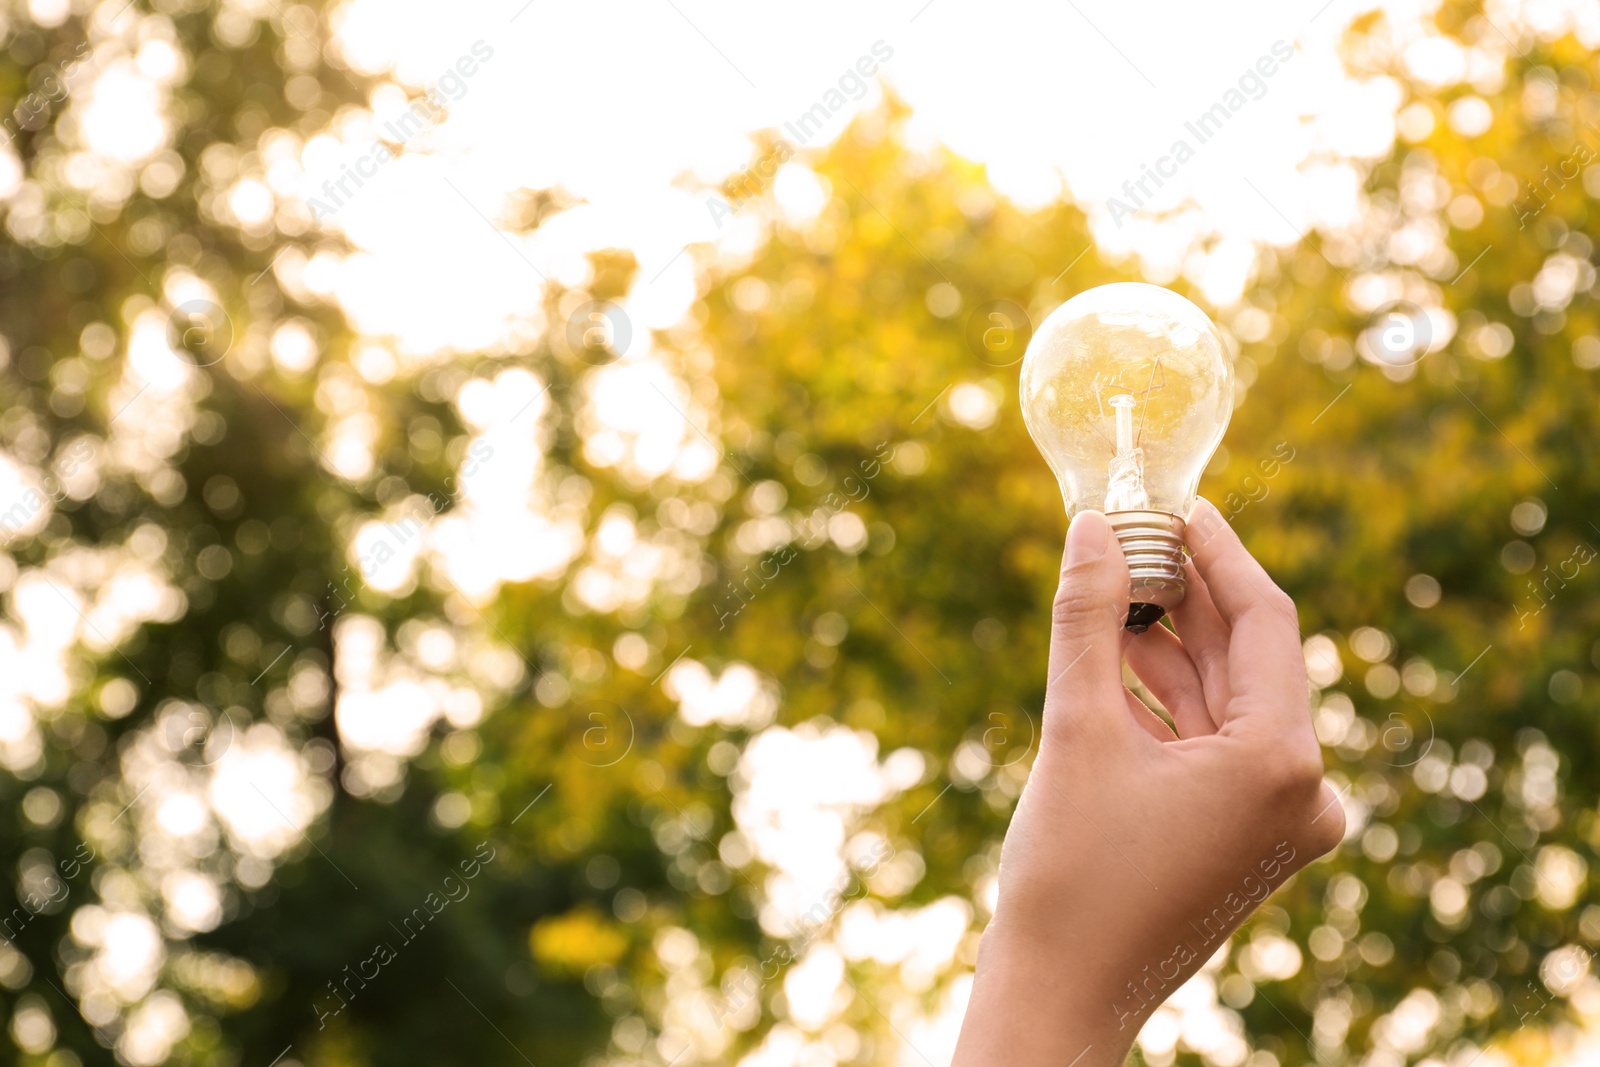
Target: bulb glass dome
x: 1126, y: 389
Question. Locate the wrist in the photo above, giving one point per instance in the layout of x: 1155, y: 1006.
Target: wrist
x: 1042, y: 1000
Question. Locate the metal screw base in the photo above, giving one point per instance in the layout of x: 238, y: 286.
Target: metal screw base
x: 1152, y: 543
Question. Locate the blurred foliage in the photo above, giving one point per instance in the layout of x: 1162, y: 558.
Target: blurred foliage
x: 1426, y: 519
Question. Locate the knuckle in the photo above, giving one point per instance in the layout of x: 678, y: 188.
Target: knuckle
x: 1296, y: 775
x: 1077, y: 600
x: 1284, y: 605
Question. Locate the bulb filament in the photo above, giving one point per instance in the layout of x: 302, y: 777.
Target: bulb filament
x: 1125, y: 482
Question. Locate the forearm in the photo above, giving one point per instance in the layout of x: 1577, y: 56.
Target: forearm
x: 1033, y: 1003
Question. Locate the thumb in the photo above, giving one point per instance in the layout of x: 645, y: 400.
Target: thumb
x: 1091, y: 606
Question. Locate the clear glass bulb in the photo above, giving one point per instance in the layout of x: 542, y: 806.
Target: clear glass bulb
x: 1127, y: 389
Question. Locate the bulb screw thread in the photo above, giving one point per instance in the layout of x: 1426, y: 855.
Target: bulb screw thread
x: 1152, y: 544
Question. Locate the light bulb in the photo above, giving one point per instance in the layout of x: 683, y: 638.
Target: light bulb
x: 1126, y: 389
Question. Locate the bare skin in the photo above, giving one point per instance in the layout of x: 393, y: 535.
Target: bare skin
x: 1133, y: 854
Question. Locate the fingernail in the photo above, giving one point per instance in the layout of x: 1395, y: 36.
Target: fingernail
x: 1087, y: 537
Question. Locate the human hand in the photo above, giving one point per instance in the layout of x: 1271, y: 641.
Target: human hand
x: 1134, y: 854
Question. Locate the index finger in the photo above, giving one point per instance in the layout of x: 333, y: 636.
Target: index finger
x: 1266, y: 667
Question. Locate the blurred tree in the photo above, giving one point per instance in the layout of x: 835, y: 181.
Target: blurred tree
x: 178, y: 535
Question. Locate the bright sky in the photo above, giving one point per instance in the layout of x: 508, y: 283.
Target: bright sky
x: 619, y: 102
